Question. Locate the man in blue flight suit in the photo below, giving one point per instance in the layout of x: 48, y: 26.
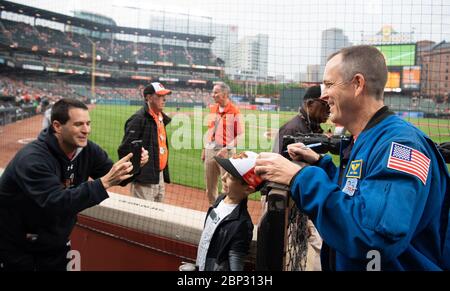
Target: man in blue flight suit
x: 387, y: 206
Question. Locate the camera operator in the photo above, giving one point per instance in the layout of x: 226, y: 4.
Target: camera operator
x: 388, y: 207
x: 311, y: 114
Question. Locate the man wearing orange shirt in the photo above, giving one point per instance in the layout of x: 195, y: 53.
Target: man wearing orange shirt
x: 148, y: 124
x: 224, y: 128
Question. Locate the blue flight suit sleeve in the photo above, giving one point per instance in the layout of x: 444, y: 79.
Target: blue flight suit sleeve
x: 381, y: 215
x: 326, y: 163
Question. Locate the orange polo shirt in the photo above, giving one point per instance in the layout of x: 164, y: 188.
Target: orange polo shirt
x: 228, y: 125
x: 162, y: 136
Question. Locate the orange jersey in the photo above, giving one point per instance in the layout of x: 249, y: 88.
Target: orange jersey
x: 224, y: 127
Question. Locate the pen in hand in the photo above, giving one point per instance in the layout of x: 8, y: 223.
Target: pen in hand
x: 309, y: 146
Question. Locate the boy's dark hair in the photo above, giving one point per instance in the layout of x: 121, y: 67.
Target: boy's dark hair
x: 60, y: 110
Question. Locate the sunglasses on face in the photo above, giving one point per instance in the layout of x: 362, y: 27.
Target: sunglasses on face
x: 322, y: 103
x: 318, y: 100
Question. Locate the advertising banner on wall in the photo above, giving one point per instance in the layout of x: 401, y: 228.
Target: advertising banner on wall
x: 411, y: 78
x: 393, y: 82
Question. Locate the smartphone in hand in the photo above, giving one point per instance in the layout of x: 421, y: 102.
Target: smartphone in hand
x: 136, y: 149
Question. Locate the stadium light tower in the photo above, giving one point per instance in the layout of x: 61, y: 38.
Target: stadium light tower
x: 94, y: 56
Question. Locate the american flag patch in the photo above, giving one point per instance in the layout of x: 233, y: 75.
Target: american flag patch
x: 409, y: 160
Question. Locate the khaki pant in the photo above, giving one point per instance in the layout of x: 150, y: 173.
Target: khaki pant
x: 151, y: 192
x: 314, y: 246
x: 213, y: 172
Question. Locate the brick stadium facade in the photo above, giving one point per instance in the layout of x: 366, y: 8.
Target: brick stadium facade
x: 435, y: 62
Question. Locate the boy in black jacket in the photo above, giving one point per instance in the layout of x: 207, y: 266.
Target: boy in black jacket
x: 228, y: 230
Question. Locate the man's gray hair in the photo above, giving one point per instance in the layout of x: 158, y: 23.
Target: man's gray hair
x: 223, y: 87
x: 367, y: 61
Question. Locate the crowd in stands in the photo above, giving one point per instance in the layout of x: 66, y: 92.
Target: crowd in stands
x: 197, y: 95
x: 28, y: 90
x: 34, y: 91
x: 118, y: 93
x: 179, y: 95
x: 56, y: 42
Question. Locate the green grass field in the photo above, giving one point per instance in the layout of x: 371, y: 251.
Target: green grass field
x: 186, y: 167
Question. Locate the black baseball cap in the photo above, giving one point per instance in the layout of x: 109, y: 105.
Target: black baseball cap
x: 313, y: 92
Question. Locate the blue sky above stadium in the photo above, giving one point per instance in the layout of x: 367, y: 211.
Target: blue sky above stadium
x: 294, y: 27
